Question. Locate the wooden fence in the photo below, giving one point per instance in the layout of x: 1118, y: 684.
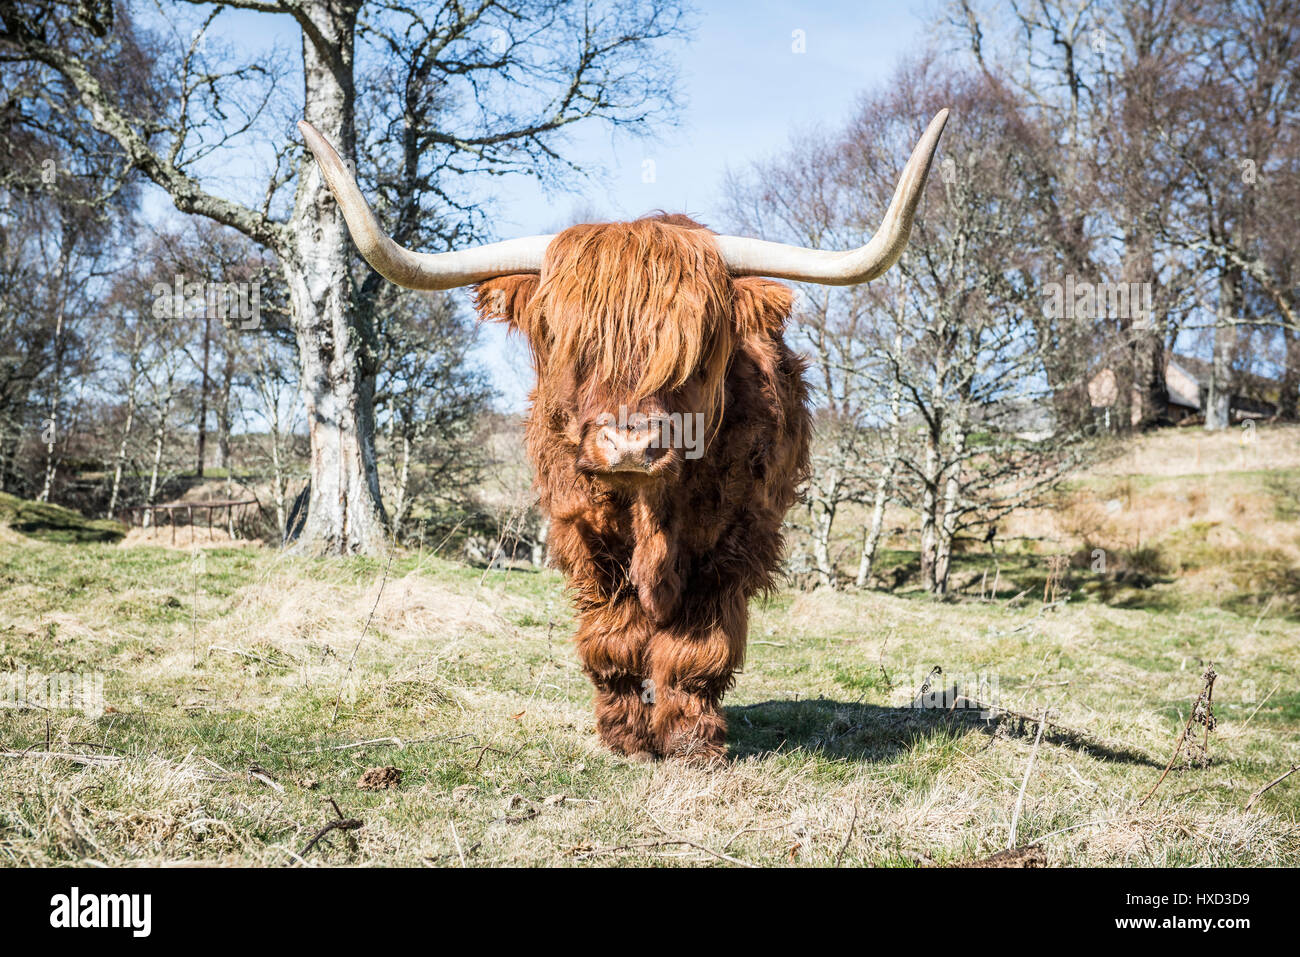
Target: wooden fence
x: 146, y: 514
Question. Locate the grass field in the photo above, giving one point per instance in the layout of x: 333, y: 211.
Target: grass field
x: 245, y: 695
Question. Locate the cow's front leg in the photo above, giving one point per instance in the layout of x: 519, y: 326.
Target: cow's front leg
x: 691, y: 667
x: 612, y: 644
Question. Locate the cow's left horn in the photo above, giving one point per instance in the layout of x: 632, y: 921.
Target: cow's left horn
x: 404, y: 266
x: 756, y: 257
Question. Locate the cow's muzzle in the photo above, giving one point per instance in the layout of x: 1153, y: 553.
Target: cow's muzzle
x: 629, y: 449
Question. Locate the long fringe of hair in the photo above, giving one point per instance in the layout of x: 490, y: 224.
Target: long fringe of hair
x: 637, y: 307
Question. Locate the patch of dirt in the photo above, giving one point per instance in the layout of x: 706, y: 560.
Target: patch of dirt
x: 1032, y: 856
x: 380, y: 779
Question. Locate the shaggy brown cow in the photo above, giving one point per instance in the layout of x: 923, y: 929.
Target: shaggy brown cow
x: 669, y: 429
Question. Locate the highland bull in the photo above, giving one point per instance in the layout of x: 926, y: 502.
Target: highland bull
x: 638, y: 330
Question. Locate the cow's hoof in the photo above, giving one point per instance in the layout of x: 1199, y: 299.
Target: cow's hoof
x: 642, y: 757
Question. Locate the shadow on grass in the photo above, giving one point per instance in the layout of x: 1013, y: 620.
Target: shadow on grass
x: 869, y: 733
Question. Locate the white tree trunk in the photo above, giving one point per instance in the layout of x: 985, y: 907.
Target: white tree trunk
x: 1218, y: 402
x: 403, y: 482
x: 885, y: 482
x: 55, y: 400
x: 948, y: 522
x: 823, y: 514
x: 120, y: 459
x: 871, y: 543
x: 345, y: 514
x: 929, y: 508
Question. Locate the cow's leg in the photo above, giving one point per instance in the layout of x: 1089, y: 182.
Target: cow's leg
x: 612, y: 642
x: 692, y: 667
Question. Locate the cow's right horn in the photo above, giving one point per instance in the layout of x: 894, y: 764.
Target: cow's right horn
x: 406, y: 267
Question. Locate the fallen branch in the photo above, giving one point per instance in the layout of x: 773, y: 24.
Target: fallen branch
x: 397, y: 742
x: 341, y: 823
x: 1020, y: 798
x: 678, y: 839
x: 1277, y: 780
x: 635, y: 846
x: 848, y: 836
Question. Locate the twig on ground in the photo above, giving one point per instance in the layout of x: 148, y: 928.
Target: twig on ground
x: 1015, y: 598
x: 678, y: 839
x: 634, y: 846
x: 848, y: 836
x: 340, y: 823
x: 460, y: 852
x: 1020, y: 798
x: 92, y: 744
x: 65, y: 756
x: 747, y: 830
x: 1277, y: 780
x: 1072, y: 827
x: 1261, y: 704
x: 397, y: 742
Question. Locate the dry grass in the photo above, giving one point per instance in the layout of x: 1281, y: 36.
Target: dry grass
x: 1191, y: 451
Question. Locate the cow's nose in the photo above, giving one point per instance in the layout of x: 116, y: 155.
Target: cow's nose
x: 628, y: 450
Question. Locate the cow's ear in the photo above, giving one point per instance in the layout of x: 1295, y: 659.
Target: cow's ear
x: 761, y: 307
x: 507, y: 299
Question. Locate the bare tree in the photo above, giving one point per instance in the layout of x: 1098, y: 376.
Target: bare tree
x: 431, y: 400
x: 1165, y: 131
x: 1233, y: 142
x: 272, y: 416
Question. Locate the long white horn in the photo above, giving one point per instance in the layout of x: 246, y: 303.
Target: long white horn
x: 404, y: 266
x: 757, y: 257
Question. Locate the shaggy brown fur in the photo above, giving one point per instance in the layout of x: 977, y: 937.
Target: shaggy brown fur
x: 662, y: 563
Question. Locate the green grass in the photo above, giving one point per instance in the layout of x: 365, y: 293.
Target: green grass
x: 245, y: 661
x: 54, y: 523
